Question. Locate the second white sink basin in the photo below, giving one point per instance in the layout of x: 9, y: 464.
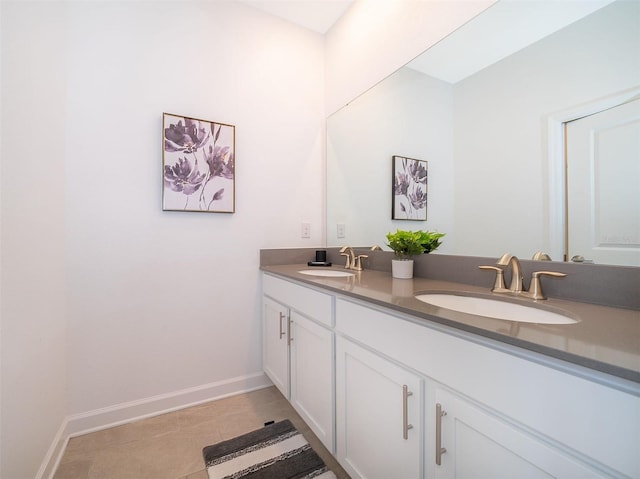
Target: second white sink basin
x: 327, y: 273
x: 492, y: 308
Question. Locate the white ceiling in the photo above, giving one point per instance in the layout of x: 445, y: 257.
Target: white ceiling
x: 316, y: 15
x: 504, y: 28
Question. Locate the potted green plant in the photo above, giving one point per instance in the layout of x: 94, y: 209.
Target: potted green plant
x: 431, y: 240
x: 406, y: 245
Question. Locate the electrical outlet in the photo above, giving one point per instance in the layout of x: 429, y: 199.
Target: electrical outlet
x: 340, y: 230
x: 306, y: 230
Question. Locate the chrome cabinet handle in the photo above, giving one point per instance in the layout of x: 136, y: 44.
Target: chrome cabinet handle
x: 405, y: 411
x: 289, y: 337
x: 439, y: 449
x: 282, y: 333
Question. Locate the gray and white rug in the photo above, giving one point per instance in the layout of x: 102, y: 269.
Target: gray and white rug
x: 277, y: 451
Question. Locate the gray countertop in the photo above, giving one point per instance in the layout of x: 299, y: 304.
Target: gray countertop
x: 605, y: 339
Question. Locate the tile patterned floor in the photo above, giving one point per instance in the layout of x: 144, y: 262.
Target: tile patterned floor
x: 170, y: 446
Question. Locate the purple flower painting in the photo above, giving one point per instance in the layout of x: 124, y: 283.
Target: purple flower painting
x: 409, y: 189
x: 198, y: 165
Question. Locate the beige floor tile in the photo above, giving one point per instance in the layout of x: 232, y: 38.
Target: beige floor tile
x: 207, y: 432
x: 198, y: 475
x: 280, y: 410
x: 143, y: 429
x: 240, y: 423
x: 74, y: 469
x: 170, y: 446
x: 167, y: 457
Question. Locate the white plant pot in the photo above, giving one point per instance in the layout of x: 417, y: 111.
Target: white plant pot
x: 402, y: 268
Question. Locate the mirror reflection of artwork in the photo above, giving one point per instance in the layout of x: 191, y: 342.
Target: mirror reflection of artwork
x: 409, y: 189
x: 199, y: 165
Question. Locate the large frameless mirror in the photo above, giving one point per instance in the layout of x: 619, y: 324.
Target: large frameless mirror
x: 494, y: 110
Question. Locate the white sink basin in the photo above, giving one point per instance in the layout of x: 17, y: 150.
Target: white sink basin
x: 492, y: 308
x: 327, y: 273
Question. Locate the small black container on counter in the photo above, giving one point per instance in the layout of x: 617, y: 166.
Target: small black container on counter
x: 321, y: 259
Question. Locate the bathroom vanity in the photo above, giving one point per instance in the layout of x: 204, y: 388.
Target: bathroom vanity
x: 395, y: 387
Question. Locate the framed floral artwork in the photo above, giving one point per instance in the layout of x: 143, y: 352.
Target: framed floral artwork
x: 409, y: 201
x: 198, y: 163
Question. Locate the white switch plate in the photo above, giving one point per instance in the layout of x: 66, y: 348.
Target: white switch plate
x: 305, y: 230
x: 341, y: 230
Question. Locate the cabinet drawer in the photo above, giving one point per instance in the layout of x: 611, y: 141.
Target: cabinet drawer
x: 306, y: 301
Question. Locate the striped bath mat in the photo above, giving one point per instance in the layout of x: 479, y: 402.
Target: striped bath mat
x: 277, y: 451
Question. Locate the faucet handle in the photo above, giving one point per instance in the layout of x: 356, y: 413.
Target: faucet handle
x: 498, y: 284
x: 348, y: 262
x: 535, y: 289
x: 358, y: 262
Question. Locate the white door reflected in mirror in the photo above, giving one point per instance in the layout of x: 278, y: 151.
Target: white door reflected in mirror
x: 603, y: 186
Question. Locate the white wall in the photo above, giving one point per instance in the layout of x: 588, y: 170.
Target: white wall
x: 155, y: 303
x: 34, y: 313
x: 363, y: 137
x: 501, y: 168
x: 375, y: 38
x: 147, y: 285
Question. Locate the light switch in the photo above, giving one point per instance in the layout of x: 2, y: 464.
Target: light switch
x: 305, y: 230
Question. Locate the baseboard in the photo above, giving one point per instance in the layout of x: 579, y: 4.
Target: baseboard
x: 98, y: 419
x: 123, y: 413
x: 54, y: 454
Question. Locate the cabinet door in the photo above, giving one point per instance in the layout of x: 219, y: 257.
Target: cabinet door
x: 378, y: 415
x: 311, y: 376
x: 275, y: 350
x: 481, y: 445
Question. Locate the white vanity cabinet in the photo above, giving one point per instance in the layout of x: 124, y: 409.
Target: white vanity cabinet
x: 298, y: 351
x: 502, y: 415
x: 378, y: 421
